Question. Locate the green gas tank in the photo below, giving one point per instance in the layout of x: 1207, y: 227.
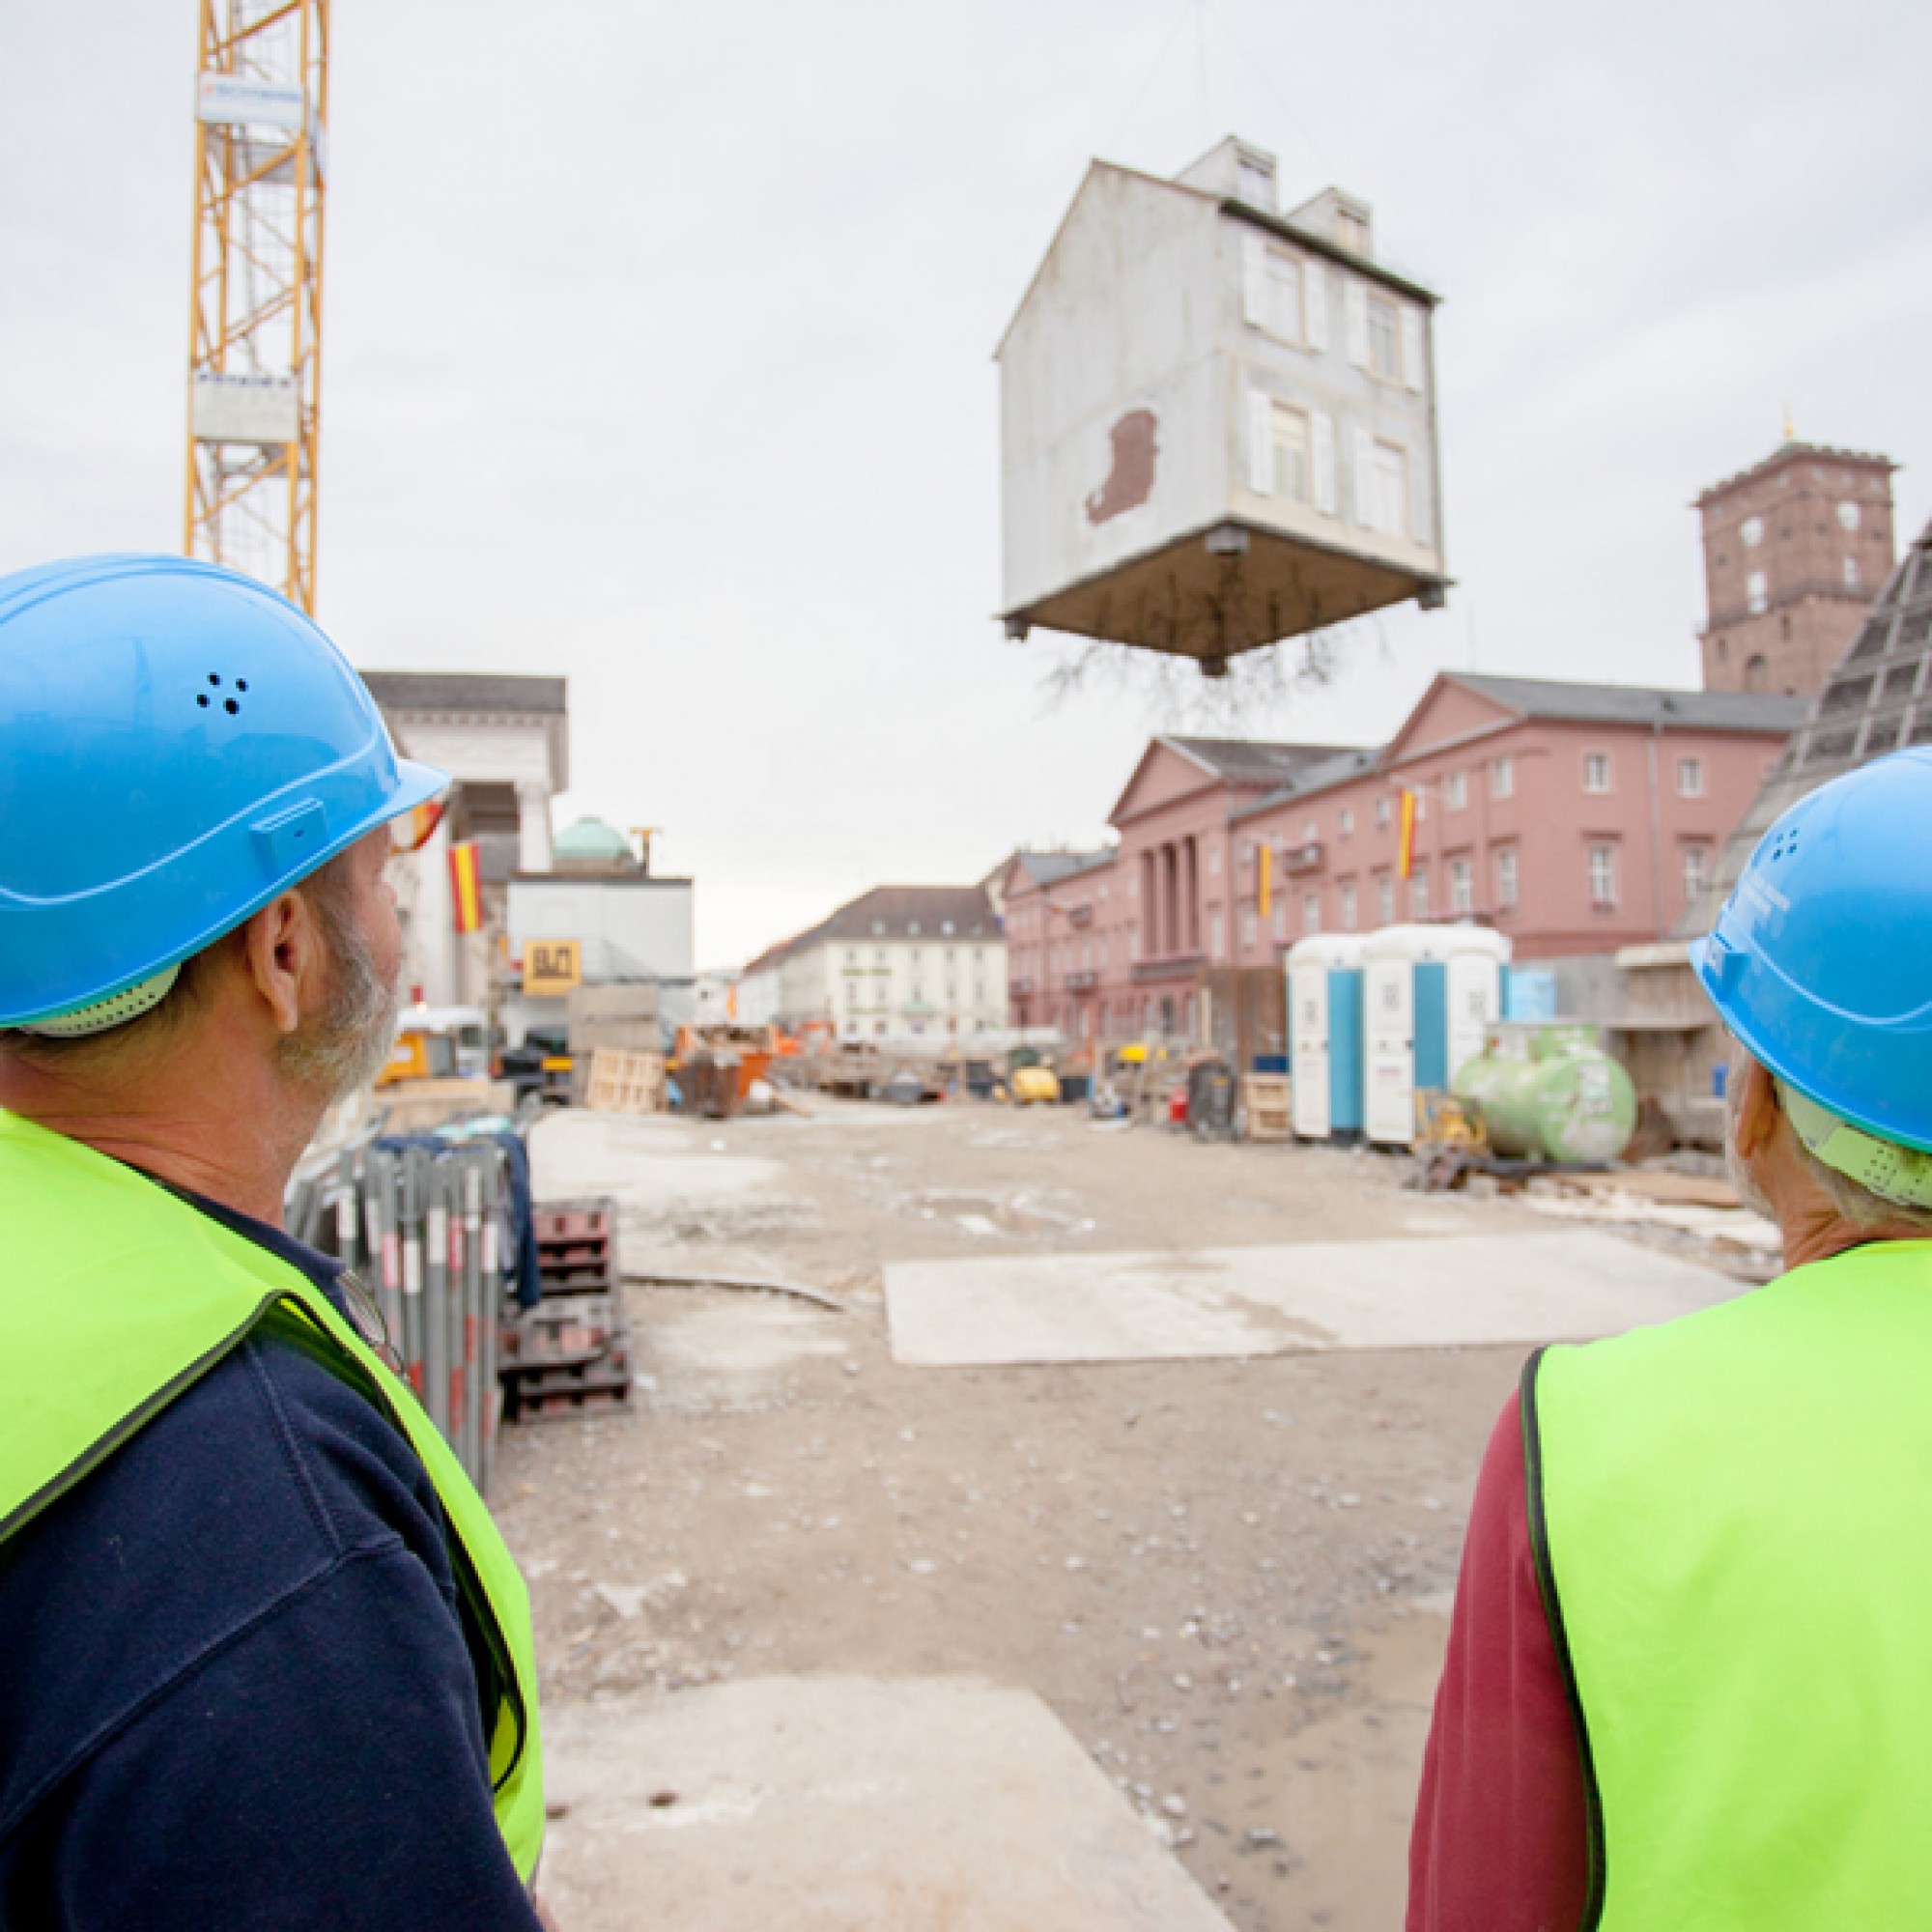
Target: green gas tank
x: 1550, y: 1093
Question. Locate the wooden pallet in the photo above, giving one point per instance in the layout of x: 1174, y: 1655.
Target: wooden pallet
x: 1265, y: 1101
x: 623, y: 1082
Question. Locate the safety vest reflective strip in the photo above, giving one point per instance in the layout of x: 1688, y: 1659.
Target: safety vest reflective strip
x: 115, y: 1296
x: 1732, y: 1522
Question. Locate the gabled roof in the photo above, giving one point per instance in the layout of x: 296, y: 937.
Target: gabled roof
x: 476, y: 693
x: 1252, y: 761
x: 1559, y: 701
x: 1049, y: 868
x: 910, y: 911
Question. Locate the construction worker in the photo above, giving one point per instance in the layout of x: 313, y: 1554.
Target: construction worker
x: 1689, y: 1675
x: 264, y: 1660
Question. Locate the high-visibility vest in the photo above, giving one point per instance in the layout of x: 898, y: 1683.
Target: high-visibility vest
x: 1731, y: 1516
x: 115, y: 1296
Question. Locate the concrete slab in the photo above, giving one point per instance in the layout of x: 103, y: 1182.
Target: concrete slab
x: 847, y: 1805
x: 1465, y: 1290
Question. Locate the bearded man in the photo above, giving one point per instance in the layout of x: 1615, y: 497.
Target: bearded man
x: 264, y: 1660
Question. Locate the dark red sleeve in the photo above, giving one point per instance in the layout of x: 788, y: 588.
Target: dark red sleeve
x: 1501, y: 1840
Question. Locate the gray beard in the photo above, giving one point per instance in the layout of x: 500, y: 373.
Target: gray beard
x: 345, y: 1046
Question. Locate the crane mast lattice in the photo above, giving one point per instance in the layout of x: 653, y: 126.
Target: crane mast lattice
x: 255, y: 350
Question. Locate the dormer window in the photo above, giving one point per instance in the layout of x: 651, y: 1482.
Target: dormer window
x: 1351, y: 231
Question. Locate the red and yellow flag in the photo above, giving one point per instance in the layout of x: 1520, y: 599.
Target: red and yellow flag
x: 1404, y: 862
x: 465, y: 888
x: 1264, y: 887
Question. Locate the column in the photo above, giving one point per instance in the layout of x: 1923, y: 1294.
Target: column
x: 533, y: 850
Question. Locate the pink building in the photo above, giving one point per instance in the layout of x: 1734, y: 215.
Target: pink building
x: 1575, y: 817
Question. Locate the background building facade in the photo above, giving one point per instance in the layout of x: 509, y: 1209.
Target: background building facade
x: 1575, y: 818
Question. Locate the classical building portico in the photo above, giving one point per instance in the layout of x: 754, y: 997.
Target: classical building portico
x: 505, y: 743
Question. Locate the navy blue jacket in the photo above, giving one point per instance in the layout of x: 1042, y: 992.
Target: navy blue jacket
x: 233, y: 1686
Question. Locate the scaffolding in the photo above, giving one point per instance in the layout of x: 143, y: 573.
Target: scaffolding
x: 255, y: 347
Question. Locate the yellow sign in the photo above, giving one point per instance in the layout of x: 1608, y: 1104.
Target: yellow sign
x: 552, y: 967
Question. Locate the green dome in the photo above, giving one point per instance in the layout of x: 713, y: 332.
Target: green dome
x: 590, y: 841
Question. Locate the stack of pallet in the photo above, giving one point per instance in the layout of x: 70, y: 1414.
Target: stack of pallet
x: 571, y: 1353
x: 623, y: 1082
x: 1265, y: 1099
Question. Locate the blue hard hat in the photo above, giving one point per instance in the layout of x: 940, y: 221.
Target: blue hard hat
x: 176, y: 746
x: 1821, y: 961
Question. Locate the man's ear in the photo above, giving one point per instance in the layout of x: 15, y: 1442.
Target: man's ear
x: 1757, y: 1110
x: 284, y: 952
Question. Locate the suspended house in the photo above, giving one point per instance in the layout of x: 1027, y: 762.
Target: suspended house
x: 1878, y: 699
x: 1217, y: 421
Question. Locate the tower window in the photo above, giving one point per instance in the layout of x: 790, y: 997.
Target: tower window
x: 1757, y: 592
x: 1848, y: 516
x: 1751, y: 531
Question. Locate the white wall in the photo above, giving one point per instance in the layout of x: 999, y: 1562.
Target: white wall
x: 629, y: 929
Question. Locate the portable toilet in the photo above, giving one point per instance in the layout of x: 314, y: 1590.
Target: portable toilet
x: 1324, y: 1005
x: 1431, y: 994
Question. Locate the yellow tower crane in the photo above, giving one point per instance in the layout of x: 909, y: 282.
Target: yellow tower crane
x: 255, y: 349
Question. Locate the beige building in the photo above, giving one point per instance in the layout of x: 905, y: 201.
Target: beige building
x: 900, y: 964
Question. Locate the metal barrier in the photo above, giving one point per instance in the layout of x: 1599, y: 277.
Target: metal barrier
x: 424, y: 1228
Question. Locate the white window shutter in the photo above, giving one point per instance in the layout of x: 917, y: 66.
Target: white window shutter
x: 1413, y: 361
x: 1254, y: 280
x: 1315, y: 296
x: 1362, y: 465
x: 1260, y: 443
x: 1418, y: 503
x: 1321, y: 437
x: 1355, y: 310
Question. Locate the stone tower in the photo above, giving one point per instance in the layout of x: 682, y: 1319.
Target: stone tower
x: 1795, y: 549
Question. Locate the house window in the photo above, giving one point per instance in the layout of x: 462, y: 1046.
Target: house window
x: 1461, y: 887
x: 1287, y: 453
x: 1385, y: 898
x: 1848, y: 516
x: 1281, y: 922
x: 1386, y: 508
x: 1458, y: 791
x: 1351, y: 231
x: 1348, y: 905
x: 1214, y: 860
x: 1214, y: 932
x: 1418, y: 893
x: 1311, y: 831
x: 1506, y: 876
x: 1346, y: 821
x: 1751, y: 530
x: 1851, y: 573
x: 1596, y: 770
x: 1756, y: 594
x: 1311, y: 911
x: 912, y: 932
x: 1690, y: 778
x: 1384, y: 340
x: 1696, y: 870
x: 1502, y: 778
x: 1384, y: 812
x: 1248, y: 930
x: 1274, y: 301
x: 1603, y: 877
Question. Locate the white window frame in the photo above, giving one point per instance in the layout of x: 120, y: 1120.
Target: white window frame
x: 1604, y: 883
x: 1384, y: 812
x: 1502, y: 777
x: 1348, y: 905
x: 1346, y: 821
x: 1418, y: 892
x: 1757, y: 593
x: 1750, y: 532
x: 1385, y: 898
x: 1461, y: 885
x: 1250, y: 931
x: 1690, y: 777
x: 1597, y: 777
x: 1509, y: 882
x: 1848, y: 516
x: 1458, y: 789
x: 1696, y: 869
x: 1311, y: 911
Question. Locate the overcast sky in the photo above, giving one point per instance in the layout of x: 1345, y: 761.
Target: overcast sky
x: 658, y: 350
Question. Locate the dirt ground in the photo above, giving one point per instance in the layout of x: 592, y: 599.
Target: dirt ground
x: 1228, y: 1578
